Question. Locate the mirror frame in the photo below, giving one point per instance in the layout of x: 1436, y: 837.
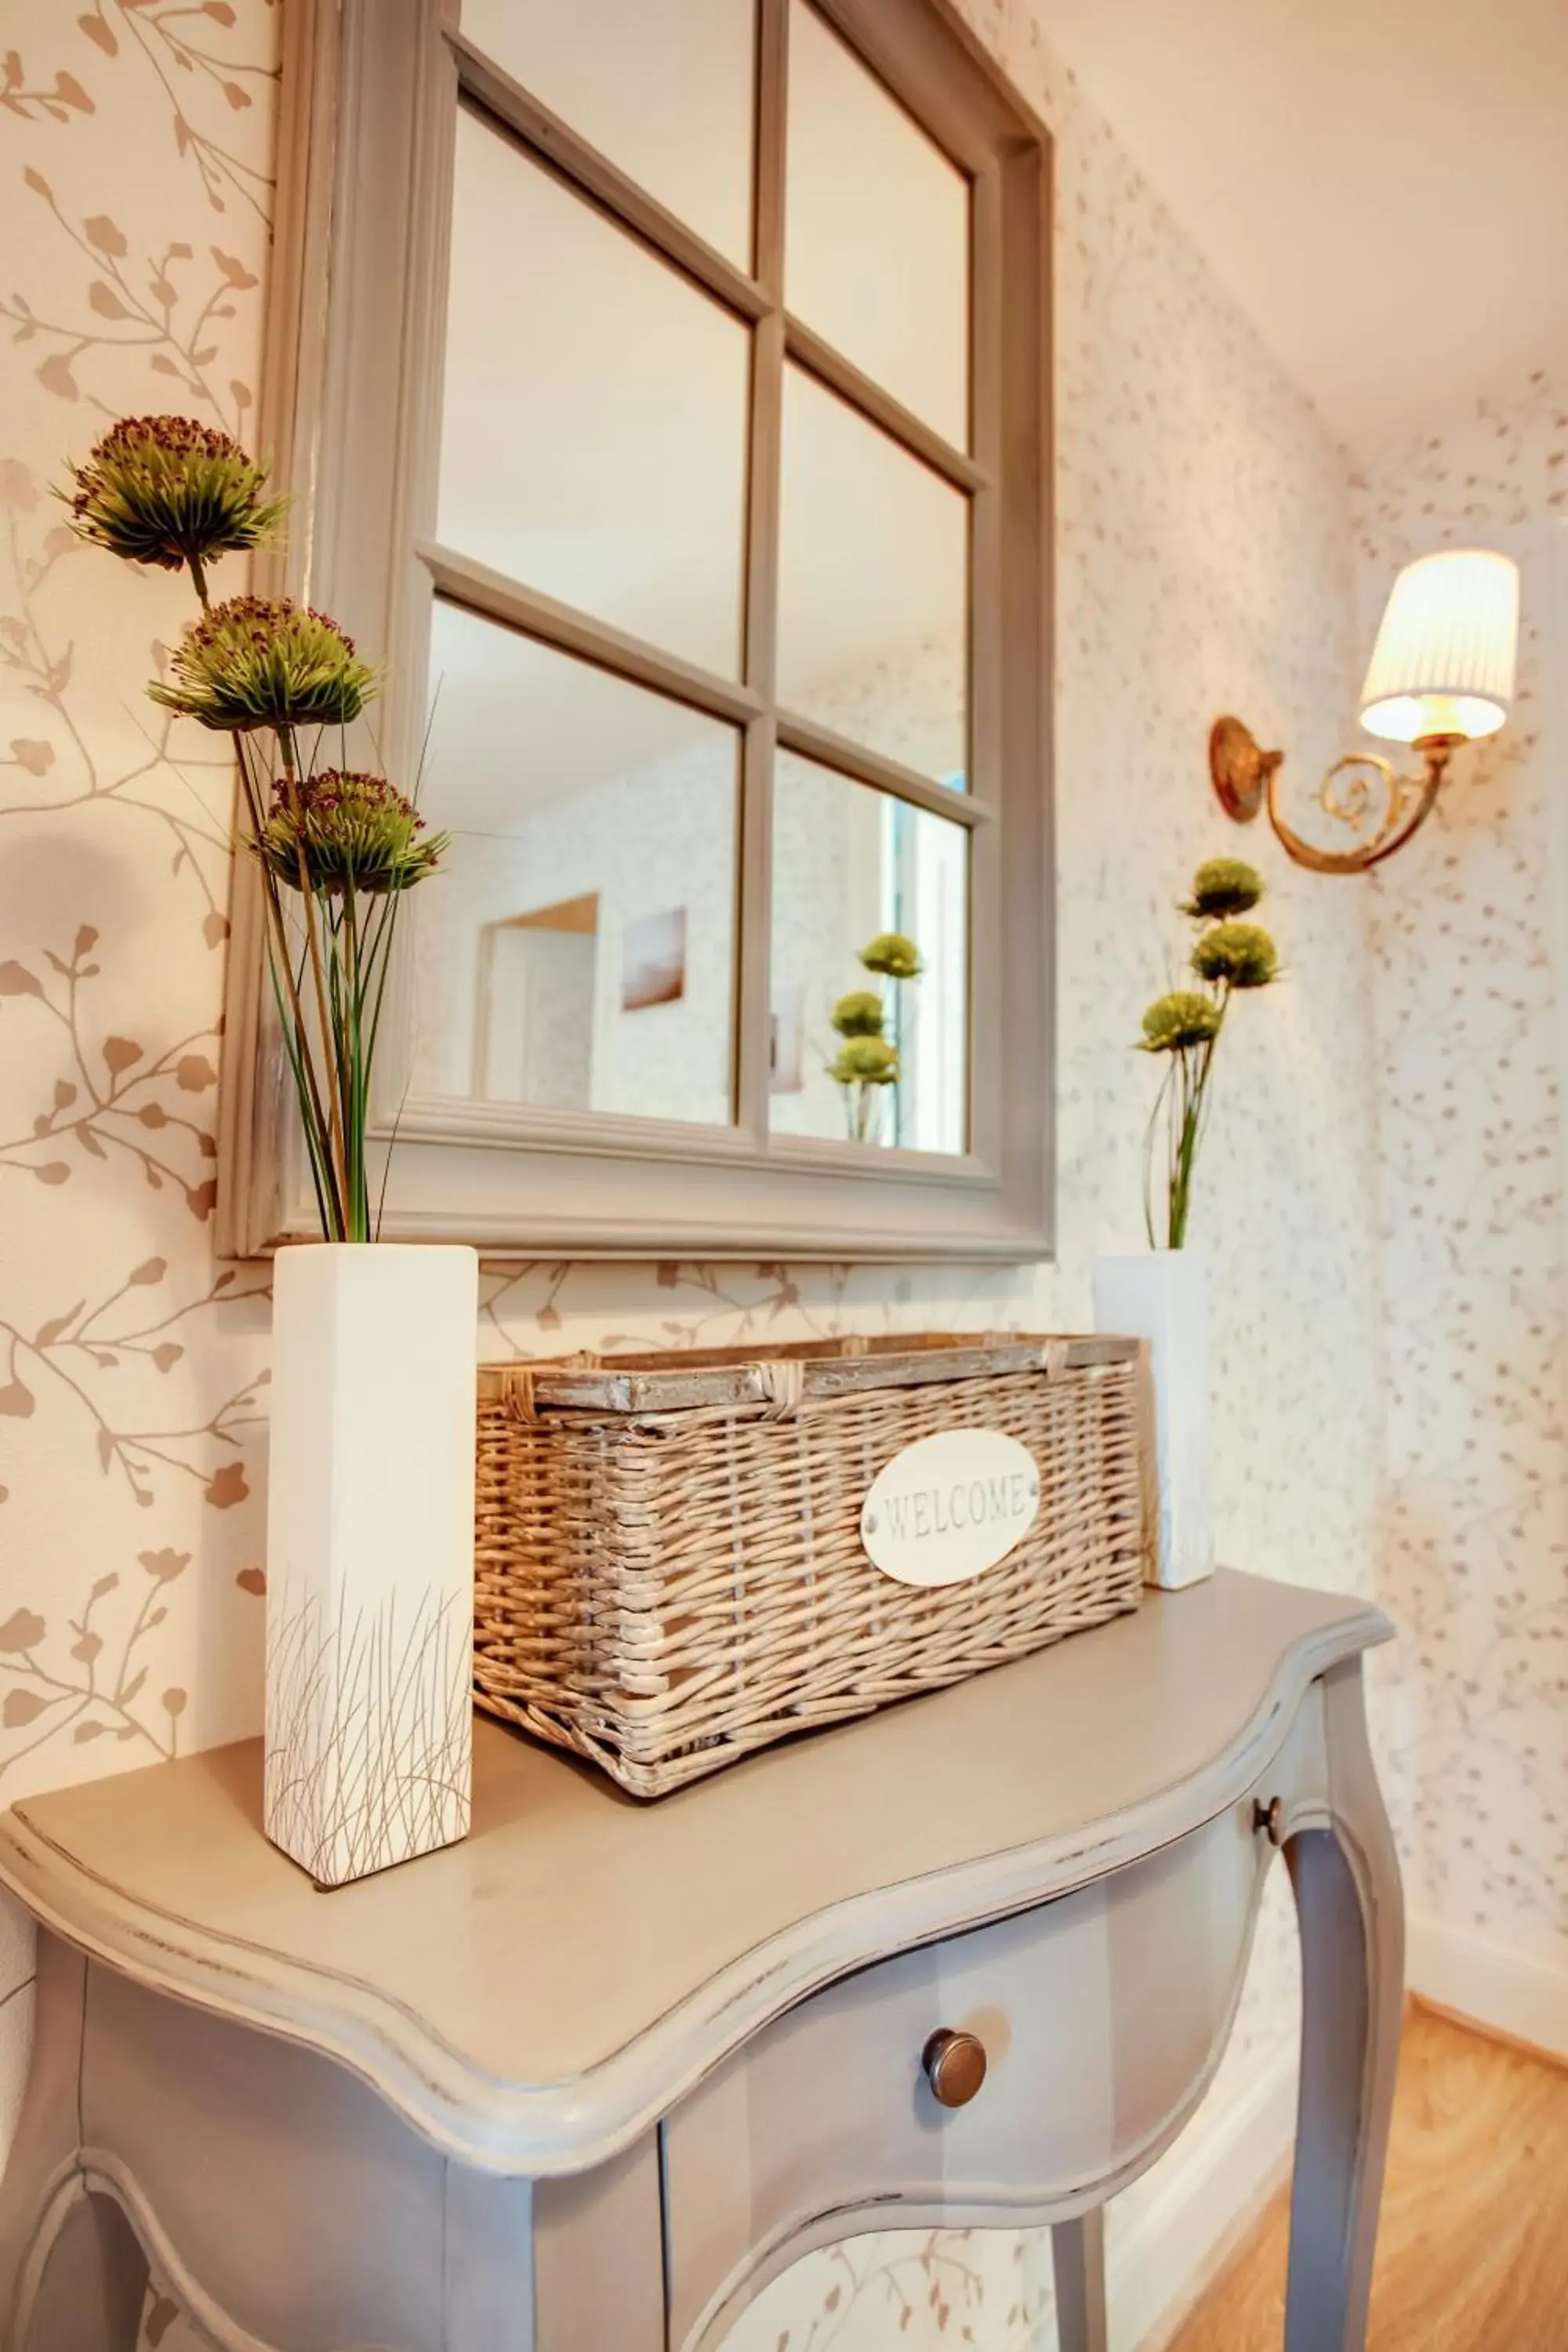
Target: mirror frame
x: 350, y: 407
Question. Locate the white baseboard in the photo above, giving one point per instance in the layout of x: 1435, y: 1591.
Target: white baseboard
x: 1209, y: 2193
x: 1500, y: 1989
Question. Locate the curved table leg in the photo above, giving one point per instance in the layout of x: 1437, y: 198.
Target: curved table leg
x: 93, y: 2286
x: 1349, y: 1903
x: 1078, y: 2258
x: 72, y: 2277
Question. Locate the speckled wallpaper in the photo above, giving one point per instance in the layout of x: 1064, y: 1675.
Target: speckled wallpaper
x: 1471, y: 961
x: 1204, y: 561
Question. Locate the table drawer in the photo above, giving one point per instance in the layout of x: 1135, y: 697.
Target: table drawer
x: 1102, y: 2014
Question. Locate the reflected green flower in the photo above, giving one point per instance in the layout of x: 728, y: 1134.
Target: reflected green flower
x: 894, y: 954
x: 265, y: 661
x: 353, y: 828
x: 1184, y: 1018
x: 1224, y: 886
x: 861, y: 1014
x: 1241, y: 954
x: 867, y: 1061
x: 166, y: 490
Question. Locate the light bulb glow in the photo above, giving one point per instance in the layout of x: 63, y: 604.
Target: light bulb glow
x: 1411, y: 717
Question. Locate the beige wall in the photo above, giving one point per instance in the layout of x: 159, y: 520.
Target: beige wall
x: 1470, y: 949
x: 1203, y: 561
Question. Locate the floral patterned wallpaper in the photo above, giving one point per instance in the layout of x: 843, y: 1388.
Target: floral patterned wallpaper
x: 1470, y: 938
x: 138, y: 150
x: 1203, y: 555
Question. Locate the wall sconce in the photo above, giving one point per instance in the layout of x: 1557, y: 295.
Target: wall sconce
x: 1441, y: 675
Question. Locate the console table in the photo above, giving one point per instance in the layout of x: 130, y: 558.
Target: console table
x: 586, y: 2082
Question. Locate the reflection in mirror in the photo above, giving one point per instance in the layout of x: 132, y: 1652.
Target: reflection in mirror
x: 594, y: 416
x: 877, y: 1053
x: 579, y: 951
x: 662, y: 87
x: 873, y: 587
x: 876, y: 230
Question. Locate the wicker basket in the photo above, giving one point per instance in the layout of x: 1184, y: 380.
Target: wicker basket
x: 669, y: 1568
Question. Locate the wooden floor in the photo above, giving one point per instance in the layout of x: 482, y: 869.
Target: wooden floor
x: 1472, y: 2252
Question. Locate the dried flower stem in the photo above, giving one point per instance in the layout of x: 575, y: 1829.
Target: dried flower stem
x: 1185, y: 1025
x: 329, y: 1193
x: 1183, y: 1102
x: 163, y: 490
x: 342, y: 1186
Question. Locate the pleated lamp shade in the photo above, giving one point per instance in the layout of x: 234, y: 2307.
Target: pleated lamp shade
x: 1443, y: 663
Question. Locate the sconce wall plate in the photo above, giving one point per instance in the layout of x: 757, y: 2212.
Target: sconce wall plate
x: 1240, y: 768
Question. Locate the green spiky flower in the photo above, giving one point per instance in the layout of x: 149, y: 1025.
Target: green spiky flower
x: 893, y: 953
x: 166, y: 490
x: 1222, y: 886
x: 859, y: 1014
x: 263, y: 661
x: 353, y: 829
x: 867, y: 1061
x: 1184, y: 1018
x: 1242, y: 955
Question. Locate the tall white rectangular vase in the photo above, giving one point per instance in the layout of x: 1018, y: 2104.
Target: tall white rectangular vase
x: 370, y: 1555
x: 1161, y: 1297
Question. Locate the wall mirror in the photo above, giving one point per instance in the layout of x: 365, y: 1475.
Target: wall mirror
x: 667, y: 383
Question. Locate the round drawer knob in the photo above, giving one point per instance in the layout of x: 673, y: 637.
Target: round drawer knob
x: 955, y: 2066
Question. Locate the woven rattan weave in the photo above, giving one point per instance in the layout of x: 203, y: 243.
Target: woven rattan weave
x: 669, y: 1568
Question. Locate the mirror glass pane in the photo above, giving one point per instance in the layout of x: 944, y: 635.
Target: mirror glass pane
x: 594, y: 420
x: 876, y: 230
x: 577, y: 948
x: 873, y: 587
x: 876, y: 1056
x: 662, y: 87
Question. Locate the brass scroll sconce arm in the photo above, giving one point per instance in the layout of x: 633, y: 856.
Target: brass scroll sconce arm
x: 1246, y: 779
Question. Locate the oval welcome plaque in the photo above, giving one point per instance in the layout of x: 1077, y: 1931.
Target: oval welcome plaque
x: 950, y: 1507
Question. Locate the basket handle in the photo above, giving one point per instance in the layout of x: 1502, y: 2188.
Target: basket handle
x: 1053, y: 1356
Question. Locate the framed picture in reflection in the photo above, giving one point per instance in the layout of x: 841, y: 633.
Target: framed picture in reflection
x: 653, y: 961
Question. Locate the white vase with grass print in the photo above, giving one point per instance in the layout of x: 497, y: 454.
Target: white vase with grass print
x: 370, y: 1555
x: 370, y: 1527
x: 1160, y: 1295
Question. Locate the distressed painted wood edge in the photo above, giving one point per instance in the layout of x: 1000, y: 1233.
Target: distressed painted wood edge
x: 573, y: 2125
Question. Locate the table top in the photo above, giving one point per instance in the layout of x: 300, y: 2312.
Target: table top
x: 532, y: 1998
